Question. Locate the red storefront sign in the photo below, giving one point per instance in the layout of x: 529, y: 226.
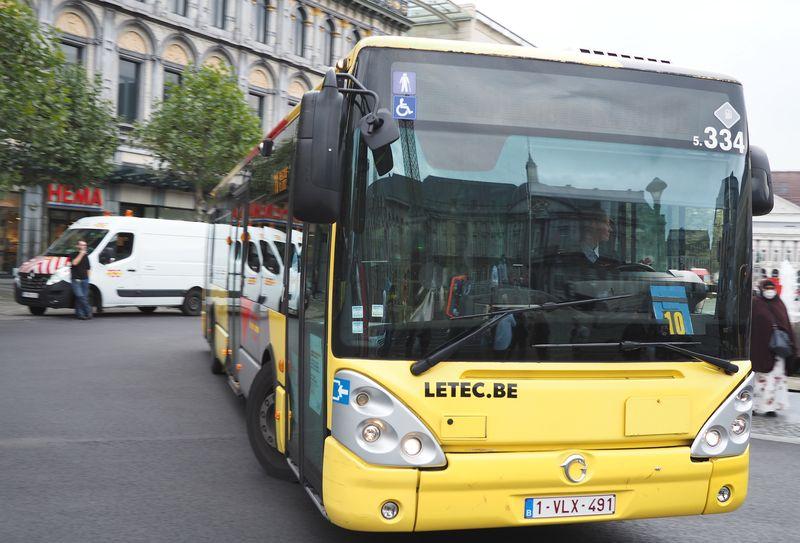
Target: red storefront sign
x: 64, y: 194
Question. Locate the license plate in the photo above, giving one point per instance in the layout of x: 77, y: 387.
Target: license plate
x: 570, y: 506
x: 30, y: 294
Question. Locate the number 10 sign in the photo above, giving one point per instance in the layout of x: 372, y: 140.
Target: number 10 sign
x: 671, y: 306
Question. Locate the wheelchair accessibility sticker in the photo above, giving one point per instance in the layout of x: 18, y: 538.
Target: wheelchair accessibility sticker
x: 341, y: 391
x: 404, y: 107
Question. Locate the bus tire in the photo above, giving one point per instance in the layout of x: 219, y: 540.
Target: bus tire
x: 192, y: 303
x: 149, y: 309
x: 260, y: 422
x: 38, y: 311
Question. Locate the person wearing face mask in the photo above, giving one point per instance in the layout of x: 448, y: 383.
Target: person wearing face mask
x: 769, y: 314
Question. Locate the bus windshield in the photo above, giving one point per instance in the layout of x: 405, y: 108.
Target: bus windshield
x: 571, y: 182
x: 66, y: 244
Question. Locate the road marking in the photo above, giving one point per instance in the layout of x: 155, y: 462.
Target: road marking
x: 782, y: 439
x: 22, y: 442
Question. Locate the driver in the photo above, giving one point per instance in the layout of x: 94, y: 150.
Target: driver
x: 595, y: 229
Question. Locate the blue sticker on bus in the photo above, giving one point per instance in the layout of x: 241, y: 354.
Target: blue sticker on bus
x: 404, y: 107
x: 404, y: 83
x: 671, y: 306
x: 341, y: 391
x: 528, y: 507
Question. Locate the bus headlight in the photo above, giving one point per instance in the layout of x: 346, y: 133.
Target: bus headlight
x: 727, y: 431
x: 378, y: 427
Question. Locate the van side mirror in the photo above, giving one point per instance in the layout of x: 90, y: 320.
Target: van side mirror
x: 761, y: 182
x: 317, y: 176
x: 265, y: 147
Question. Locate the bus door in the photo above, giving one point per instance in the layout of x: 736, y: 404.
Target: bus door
x: 307, y: 349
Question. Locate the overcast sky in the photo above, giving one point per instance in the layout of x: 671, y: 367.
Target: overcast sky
x: 758, y: 43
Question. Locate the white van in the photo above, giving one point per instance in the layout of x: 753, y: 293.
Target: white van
x: 136, y: 262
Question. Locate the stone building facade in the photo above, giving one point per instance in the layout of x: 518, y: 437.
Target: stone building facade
x: 277, y: 49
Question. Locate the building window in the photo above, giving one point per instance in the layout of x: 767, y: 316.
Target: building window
x: 356, y: 36
x: 256, y: 103
x: 179, y: 7
x: 262, y: 20
x: 327, y: 54
x: 73, y: 53
x: 128, y: 90
x: 299, y: 31
x: 218, y: 10
x: 172, y: 78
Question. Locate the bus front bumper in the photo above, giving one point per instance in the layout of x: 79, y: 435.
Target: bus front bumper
x: 488, y: 490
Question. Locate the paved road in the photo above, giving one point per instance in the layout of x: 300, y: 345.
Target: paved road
x: 114, y: 430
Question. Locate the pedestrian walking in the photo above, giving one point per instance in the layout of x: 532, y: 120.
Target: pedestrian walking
x: 773, y: 349
x: 80, y: 282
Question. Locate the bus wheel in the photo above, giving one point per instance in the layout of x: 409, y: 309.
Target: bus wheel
x: 38, y: 311
x: 146, y: 309
x: 260, y: 419
x: 191, y: 304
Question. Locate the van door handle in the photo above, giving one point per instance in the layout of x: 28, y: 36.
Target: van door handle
x: 131, y: 269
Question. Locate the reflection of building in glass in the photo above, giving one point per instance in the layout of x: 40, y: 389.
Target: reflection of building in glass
x: 688, y: 249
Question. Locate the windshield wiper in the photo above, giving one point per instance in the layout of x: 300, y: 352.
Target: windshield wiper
x: 449, y: 347
x: 725, y: 365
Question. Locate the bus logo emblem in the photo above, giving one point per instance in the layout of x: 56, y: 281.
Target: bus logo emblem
x: 575, y: 468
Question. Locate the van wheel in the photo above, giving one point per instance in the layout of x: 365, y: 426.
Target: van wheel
x: 146, y: 309
x: 191, y: 303
x: 38, y: 311
x: 95, y: 300
x: 260, y: 421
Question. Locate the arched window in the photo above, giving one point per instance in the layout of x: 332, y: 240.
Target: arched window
x: 299, y: 31
x: 327, y: 53
x: 262, y: 20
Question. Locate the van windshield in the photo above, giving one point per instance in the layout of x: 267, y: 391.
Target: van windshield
x: 66, y: 244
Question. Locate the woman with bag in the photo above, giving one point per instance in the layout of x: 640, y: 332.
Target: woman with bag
x: 772, y: 349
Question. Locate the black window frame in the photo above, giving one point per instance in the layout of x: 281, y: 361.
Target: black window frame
x: 180, y: 7
x: 300, y: 31
x: 173, y: 71
x: 219, y: 10
x: 80, y: 48
x: 124, y: 112
x: 262, y: 20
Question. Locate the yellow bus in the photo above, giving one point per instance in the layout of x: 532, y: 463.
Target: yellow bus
x: 468, y: 285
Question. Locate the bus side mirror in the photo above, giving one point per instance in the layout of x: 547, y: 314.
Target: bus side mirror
x: 761, y: 182
x: 317, y: 176
x: 265, y: 147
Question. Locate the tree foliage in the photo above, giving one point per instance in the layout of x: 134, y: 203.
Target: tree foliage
x: 54, y: 126
x: 203, y: 129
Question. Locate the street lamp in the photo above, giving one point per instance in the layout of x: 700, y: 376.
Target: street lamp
x: 656, y: 188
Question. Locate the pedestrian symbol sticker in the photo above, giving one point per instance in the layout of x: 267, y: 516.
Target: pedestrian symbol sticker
x: 341, y: 391
x: 404, y: 107
x: 404, y: 83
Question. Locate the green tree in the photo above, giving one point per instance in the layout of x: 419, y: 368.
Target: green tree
x: 54, y: 125
x: 203, y: 129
